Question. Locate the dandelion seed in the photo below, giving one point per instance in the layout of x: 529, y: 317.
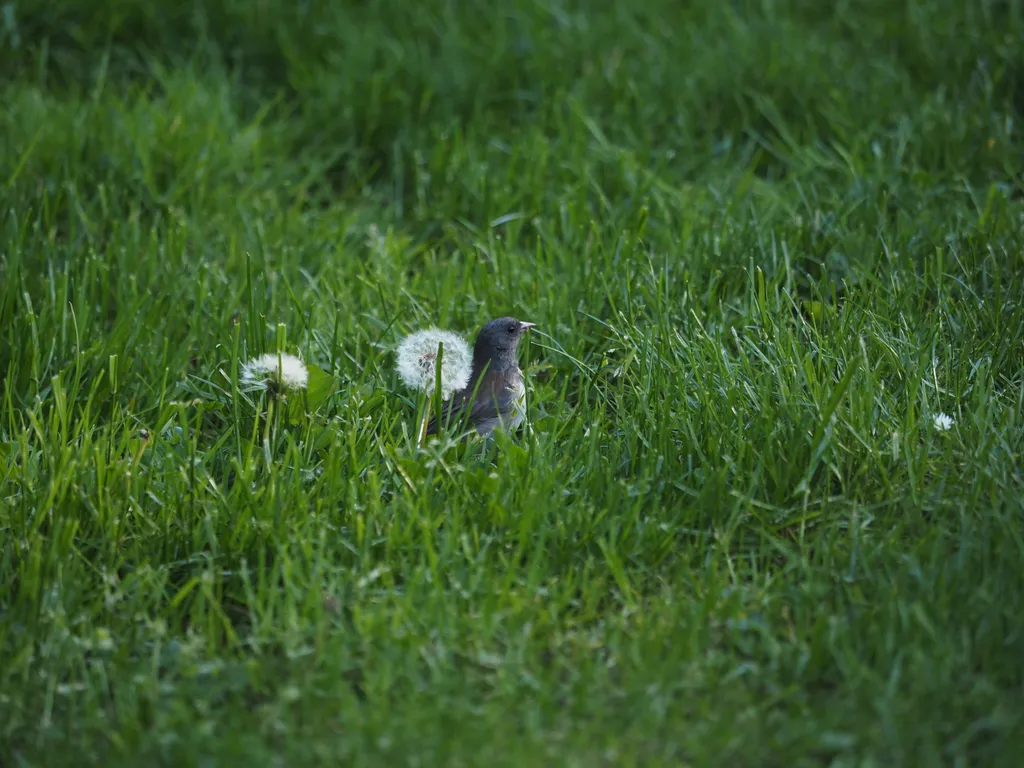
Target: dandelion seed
x: 417, y: 361
x: 273, y: 372
x: 942, y: 422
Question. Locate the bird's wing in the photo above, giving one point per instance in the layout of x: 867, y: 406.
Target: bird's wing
x: 495, y: 399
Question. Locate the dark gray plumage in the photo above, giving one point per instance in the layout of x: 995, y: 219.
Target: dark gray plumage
x: 500, y: 394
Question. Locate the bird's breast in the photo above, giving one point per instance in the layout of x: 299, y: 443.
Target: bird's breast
x: 518, y: 389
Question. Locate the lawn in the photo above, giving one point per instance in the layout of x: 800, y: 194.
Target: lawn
x: 768, y: 506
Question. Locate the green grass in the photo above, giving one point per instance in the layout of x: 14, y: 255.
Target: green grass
x: 765, y: 243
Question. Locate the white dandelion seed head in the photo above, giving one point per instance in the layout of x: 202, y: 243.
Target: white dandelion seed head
x: 417, y: 361
x: 942, y: 422
x: 274, y: 371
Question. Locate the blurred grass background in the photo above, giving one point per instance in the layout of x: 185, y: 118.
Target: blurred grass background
x: 766, y: 243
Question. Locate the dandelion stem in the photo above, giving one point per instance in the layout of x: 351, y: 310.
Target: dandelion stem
x: 270, y: 418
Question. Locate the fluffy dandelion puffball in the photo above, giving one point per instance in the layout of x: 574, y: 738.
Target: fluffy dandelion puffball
x: 273, y: 371
x: 942, y: 422
x: 417, y: 359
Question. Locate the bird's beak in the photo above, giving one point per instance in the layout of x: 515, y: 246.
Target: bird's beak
x: 526, y: 326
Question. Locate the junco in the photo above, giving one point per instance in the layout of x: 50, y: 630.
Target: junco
x: 500, y: 395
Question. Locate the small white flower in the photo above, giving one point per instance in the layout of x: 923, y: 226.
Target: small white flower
x: 417, y: 358
x: 942, y: 422
x: 272, y: 371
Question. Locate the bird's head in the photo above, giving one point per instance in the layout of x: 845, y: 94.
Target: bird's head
x: 500, y: 338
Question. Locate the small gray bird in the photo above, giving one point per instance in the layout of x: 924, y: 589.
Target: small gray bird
x: 500, y: 394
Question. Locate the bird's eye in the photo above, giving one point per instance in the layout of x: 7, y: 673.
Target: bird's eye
x: 511, y: 329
